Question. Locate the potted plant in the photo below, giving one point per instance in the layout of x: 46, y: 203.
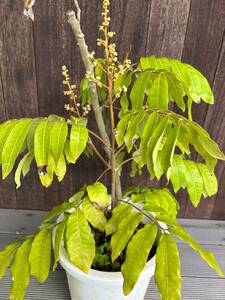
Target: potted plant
x: 109, y: 241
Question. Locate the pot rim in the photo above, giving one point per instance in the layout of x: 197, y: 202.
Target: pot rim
x: 96, y: 275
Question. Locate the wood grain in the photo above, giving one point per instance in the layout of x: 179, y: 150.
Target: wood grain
x: 31, y: 56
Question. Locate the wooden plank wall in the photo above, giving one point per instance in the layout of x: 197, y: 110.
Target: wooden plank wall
x: 31, y: 56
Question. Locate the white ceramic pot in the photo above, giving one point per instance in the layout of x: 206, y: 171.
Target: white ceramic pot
x: 98, y: 285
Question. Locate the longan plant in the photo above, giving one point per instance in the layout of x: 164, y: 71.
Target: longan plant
x: 115, y: 230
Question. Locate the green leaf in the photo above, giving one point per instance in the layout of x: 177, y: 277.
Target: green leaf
x: 40, y: 255
x: 154, y: 145
x: 80, y: 241
x: 167, y: 273
x: 23, y: 167
x: 6, y: 256
x: 94, y: 216
x: 169, y: 148
x: 208, y: 257
x: 47, y: 177
x: 194, y: 182
x: 176, y: 90
x: 132, y: 130
x: 78, y: 141
x: 13, y: 145
x: 209, y: 180
x: 119, y: 213
x: 42, y: 143
x: 59, y: 233
x: 121, y: 128
x: 140, y: 87
x: 124, y: 232
x: 31, y: 133
x: 60, y: 169
x: 178, y: 173
x: 97, y: 193
x: 136, y: 256
x: 5, y: 129
x: 20, y: 266
x: 158, y: 96
x: 58, y: 139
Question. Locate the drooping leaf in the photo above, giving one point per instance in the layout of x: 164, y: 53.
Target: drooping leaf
x: 58, y: 138
x: 136, y: 256
x: 40, y: 255
x: 31, y: 133
x: 121, y: 128
x: 123, y: 233
x: 178, y: 173
x: 209, y: 180
x: 42, y: 143
x: 59, y: 233
x: 20, y: 266
x: 97, y: 193
x: 94, y: 216
x: 167, y: 273
x: 23, y: 168
x: 80, y: 241
x: 194, y: 182
x: 139, y: 89
x: 78, y: 141
x: 61, y: 168
x: 119, y: 213
x: 6, y: 256
x: 5, y: 129
x: 158, y: 96
x: 209, y: 257
x: 58, y: 210
x: 13, y: 145
x: 47, y: 175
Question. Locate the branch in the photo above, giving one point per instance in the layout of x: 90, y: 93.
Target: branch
x: 78, y: 10
x: 75, y: 26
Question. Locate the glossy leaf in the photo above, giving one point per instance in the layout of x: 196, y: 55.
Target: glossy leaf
x: 5, y: 129
x: 194, y: 182
x: 78, y: 141
x: 97, y: 193
x: 6, y: 256
x: 167, y: 273
x: 208, y: 257
x: 13, y: 145
x: 124, y: 232
x: 20, y: 267
x: 94, y: 216
x: 136, y: 256
x: 42, y: 143
x: 61, y: 168
x: 58, y: 138
x: 158, y: 95
x: 119, y: 213
x: 209, y: 180
x: 80, y: 241
x: 23, y: 168
x: 40, y: 255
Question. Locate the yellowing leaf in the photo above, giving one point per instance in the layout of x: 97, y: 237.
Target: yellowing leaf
x: 136, y: 255
x: 13, y: 145
x: 42, y: 143
x: 119, y: 213
x: 167, y: 273
x: 40, y: 255
x: 23, y: 167
x: 78, y: 141
x: 58, y: 139
x: 60, y: 229
x: 20, y: 271
x: 208, y: 257
x: 124, y: 232
x: 80, y: 241
x: 97, y: 193
x: 94, y: 216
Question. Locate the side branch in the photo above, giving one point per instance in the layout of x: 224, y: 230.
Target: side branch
x: 75, y: 26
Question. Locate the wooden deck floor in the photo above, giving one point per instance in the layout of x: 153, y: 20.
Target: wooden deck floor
x: 199, y: 281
